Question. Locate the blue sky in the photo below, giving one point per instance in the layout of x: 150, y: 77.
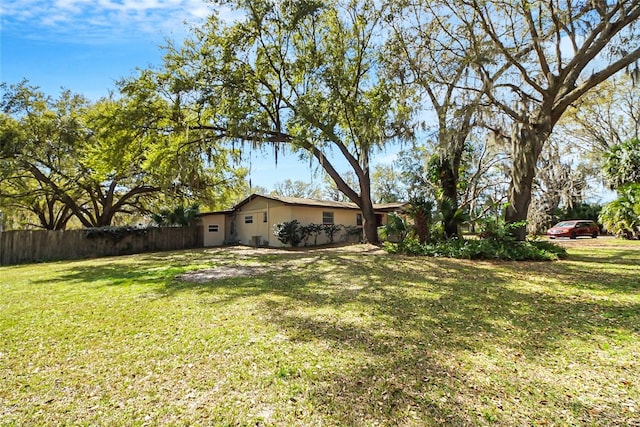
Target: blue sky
x: 87, y: 45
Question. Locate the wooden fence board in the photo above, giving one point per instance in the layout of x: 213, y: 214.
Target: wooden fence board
x: 25, y: 246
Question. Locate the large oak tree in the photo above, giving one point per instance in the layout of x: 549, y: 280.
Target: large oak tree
x: 557, y: 51
x: 39, y: 138
x: 302, y: 75
x: 436, y: 62
x: 68, y: 157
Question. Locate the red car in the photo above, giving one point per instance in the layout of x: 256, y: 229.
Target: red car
x: 574, y: 228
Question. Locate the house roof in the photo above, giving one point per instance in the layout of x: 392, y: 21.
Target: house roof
x: 223, y: 212
x: 298, y: 201
x: 389, y: 207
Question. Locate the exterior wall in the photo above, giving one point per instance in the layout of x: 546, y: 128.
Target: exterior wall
x: 210, y: 237
x: 277, y: 215
x: 233, y: 227
x: 258, y: 232
x: 308, y: 214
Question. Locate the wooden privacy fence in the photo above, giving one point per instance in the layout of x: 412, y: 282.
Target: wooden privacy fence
x: 25, y: 246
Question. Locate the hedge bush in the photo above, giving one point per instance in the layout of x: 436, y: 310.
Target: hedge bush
x: 481, y: 249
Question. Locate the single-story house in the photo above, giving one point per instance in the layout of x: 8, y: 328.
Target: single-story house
x: 251, y: 222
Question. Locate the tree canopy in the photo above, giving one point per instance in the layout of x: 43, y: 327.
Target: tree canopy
x: 605, y: 117
x: 296, y: 188
x: 622, y: 164
x: 482, y: 83
x: 556, y: 52
x: 69, y: 158
x: 304, y: 76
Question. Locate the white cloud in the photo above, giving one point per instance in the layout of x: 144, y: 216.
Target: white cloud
x: 386, y: 159
x: 90, y: 21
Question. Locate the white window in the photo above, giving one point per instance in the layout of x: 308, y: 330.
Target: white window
x: 359, y: 219
x: 248, y: 219
x: 327, y: 218
x: 213, y: 228
x: 264, y: 217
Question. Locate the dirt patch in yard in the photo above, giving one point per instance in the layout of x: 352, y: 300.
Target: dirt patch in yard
x: 336, y: 248
x: 255, y: 269
x: 222, y: 272
x: 301, y: 257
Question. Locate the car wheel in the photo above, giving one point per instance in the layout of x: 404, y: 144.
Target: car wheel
x: 594, y: 235
x: 573, y: 235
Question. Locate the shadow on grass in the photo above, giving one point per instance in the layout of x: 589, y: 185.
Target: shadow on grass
x: 151, y: 268
x: 615, y: 257
x: 617, y: 272
x: 416, y: 308
x: 407, y: 322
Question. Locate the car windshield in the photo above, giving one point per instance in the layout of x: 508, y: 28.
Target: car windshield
x: 565, y: 224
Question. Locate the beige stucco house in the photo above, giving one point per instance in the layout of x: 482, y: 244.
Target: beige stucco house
x: 251, y: 222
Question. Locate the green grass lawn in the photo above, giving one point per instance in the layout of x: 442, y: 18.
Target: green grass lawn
x: 349, y: 336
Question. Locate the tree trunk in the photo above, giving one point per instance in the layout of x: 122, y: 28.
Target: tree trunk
x: 370, y: 227
x: 363, y: 200
x: 527, y: 146
x: 421, y: 222
x: 449, y: 199
x: 370, y: 223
